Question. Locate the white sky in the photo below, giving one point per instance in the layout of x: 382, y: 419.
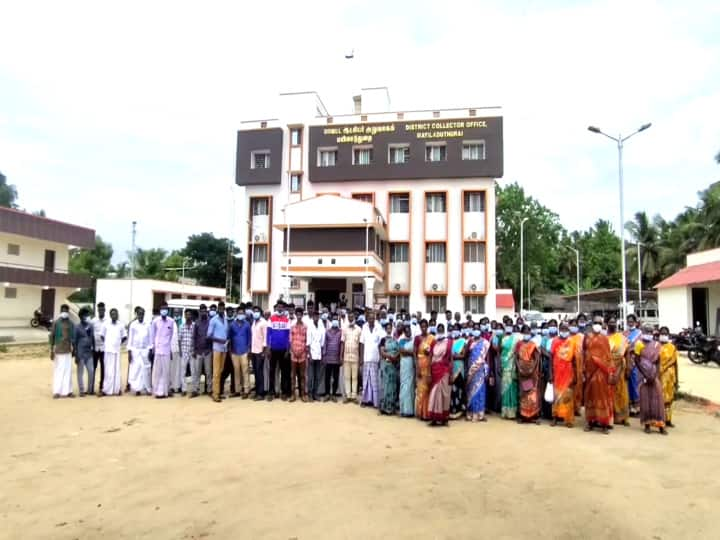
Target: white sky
x: 111, y: 112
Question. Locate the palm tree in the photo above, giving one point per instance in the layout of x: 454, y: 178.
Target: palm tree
x: 710, y: 216
x: 648, y: 233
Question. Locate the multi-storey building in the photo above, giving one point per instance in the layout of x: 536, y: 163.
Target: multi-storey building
x: 375, y: 207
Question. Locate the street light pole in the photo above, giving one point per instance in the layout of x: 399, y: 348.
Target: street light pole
x: 577, y: 276
x: 620, y: 140
x: 132, y: 268
x: 639, y: 274
x: 522, y: 263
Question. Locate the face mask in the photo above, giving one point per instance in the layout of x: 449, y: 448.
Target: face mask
x: 534, y: 331
x: 432, y: 329
x: 545, y: 331
x: 573, y: 329
x: 212, y: 312
x: 240, y: 317
x: 441, y: 336
x: 324, y: 316
x: 163, y: 312
x: 597, y: 328
x: 647, y: 337
x: 664, y: 338
x: 248, y: 313
x: 335, y: 324
x: 508, y: 329
x: 476, y: 333
x: 631, y: 325
x: 383, y: 322
x: 499, y: 331
x: 391, y: 317
x: 553, y: 330
x: 564, y: 334
x: 582, y: 324
x: 64, y: 315
x: 361, y: 320
x: 526, y: 337
x: 256, y: 315
x: 414, y: 320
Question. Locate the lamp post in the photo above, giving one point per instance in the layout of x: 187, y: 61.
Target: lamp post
x: 522, y: 262
x: 639, y: 274
x: 577, y: 276
x: 251, y: 229
x: 132, y: 268
x: 620, y: 140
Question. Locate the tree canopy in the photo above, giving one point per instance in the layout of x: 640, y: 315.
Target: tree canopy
x: 8, y: 193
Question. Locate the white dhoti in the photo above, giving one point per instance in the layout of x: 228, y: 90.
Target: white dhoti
x: 111, y: 381
x: 178, y: 365
x: 136, y: 375
x: 161, y: 375
x: 62, y: 374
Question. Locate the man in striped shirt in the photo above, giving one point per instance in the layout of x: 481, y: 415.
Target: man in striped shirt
x: 298, y: 355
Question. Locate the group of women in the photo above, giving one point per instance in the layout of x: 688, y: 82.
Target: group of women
x: 526, y: 374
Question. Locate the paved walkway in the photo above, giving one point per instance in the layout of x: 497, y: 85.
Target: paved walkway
x: 23, y: 335
x: 699, y: 380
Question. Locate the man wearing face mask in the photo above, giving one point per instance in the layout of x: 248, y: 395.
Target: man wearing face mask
x: 599, y: 376
x: 98, y: 323
x: 84, y: 345
x: 139, y: 375
x: 351, y: 352
x: 62, y: 334
x: 370, y: 338
x: 240, y: 340
x: 218, y: 334
x: 258, y: 351
x: 187, y: 348
x: 113, y: 336
x: 203, y: 353
x: 332, y: 355
x: 315, y: 343
x: 278, y: 339
x: 163, y: 338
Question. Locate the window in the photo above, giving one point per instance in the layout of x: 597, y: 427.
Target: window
x: 398, y: 302
x: 298, y: 300
x: 474, y: 201
x: 400, y: 204
x: 474, y: 252
x: 259, y: 254
x: 327, y: 157
x: 435, y: 202
x: 436, y: 152
x: 398, y: 153
x: 365, y: 197
x: 474, y: 304
x: 295, y: 183
x: 259, y: 207
x: 260, y: 300
x: 10, y: 292
x: 362, y: 155
x: 260, y: 159
x: 13, y: 249
x: 435, y: 252
x: 435, y: 303
x: 398, y: 253
x: 473, y: 150
x: 295, y: 136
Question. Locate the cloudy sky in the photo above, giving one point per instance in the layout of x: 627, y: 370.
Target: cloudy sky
x: 119, y: 111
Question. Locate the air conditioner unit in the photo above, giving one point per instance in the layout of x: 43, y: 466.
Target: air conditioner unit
x: 260, y: 237
x: 473, y: 287
x: 435, y: 287
x: 396, y: 287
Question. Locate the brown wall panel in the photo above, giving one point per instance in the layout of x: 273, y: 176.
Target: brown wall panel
x: 258, y: 139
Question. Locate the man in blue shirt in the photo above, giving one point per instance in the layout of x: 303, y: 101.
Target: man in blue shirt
x: 218, y: 334
x: 240, y: 337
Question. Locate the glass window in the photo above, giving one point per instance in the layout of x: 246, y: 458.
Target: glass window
x: 10, y: 292
x: 474, y: 304
x: 473, y: 150
x: 298, y: 300
x: 398, y: 253
x: 398, y: 302
x: 13, y: 249
x: 327, y: 157
x: 295, y: 136
x: 474, y: 252
x: 295, y: 183
x: 435, y: 303
x: 400, y: 203
x: 436, y: 152
x: 435, y: 252
x: 362, y: 155
x: 474, y: 201
x: 366, y: 197
x: 259, y: 207
x: 435, y: 202
x: 398, y: 153
x: 260, y: 300
x: 259, y: 254
x: 260, y: 159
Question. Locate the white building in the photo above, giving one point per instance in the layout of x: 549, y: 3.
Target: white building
x: 126, y: 294
x: 34, y: 257
x: 375, y: 207
x: 692, y: 295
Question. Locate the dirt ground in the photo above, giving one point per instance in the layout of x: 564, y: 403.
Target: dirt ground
x: 136, y: 467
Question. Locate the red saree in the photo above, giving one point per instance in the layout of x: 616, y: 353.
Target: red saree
x: 528, y: 362
x: 599, y: 393
x: 439, y: 401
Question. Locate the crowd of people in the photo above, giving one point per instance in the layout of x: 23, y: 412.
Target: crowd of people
x: 398, y: 363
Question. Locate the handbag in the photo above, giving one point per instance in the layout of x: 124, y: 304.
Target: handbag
x: 549, y: 393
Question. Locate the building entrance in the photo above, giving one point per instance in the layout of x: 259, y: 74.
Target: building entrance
x: 327, y: 291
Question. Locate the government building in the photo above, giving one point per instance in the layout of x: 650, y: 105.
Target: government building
x: 370, y: 208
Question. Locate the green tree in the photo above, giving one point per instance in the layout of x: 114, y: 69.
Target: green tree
x: 210, y: 256
x: 94, y: 262
x: 150, y: 263
x: 8, y: 193
x: 600, y: 253
x: 649, y: 234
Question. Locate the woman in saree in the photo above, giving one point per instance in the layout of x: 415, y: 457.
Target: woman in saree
x: 599, y: 374
x: 668, y: 372
x: 478, y: 371
x: 563, y: 376
x: 441, y: 365
x: 407, y: 373
x: 422, y: 346
x: 389, y: 357
x: 527, y: 359
x: 508, y: 373
x: 646, y: 356
x: 458, y: 398
x: 619, y: 349
x: 633, y: 334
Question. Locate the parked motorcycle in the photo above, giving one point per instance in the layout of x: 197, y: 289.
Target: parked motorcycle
x: 685, y: 340
x: 706, y: 350
x: 40, y: 319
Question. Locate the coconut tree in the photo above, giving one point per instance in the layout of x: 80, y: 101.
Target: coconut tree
x: 647, y: 232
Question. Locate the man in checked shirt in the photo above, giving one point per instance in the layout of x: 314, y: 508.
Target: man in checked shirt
x: 187, y: 348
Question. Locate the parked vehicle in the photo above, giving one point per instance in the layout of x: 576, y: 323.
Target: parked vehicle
x: 40, y: 319
x: 686, y: 339
x: 707, y: 349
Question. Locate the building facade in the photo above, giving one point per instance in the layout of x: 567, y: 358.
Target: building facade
x: 371, y: 208
x: 34, y: 258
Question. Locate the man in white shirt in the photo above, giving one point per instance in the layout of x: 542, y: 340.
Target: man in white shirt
x: 315, y: 342
x: 98, y: 356
x: 370, y: 351
x: 139, y: 376
x: 113, y: 336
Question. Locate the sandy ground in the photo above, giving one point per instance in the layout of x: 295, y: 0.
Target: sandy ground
x: 143, y: 468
